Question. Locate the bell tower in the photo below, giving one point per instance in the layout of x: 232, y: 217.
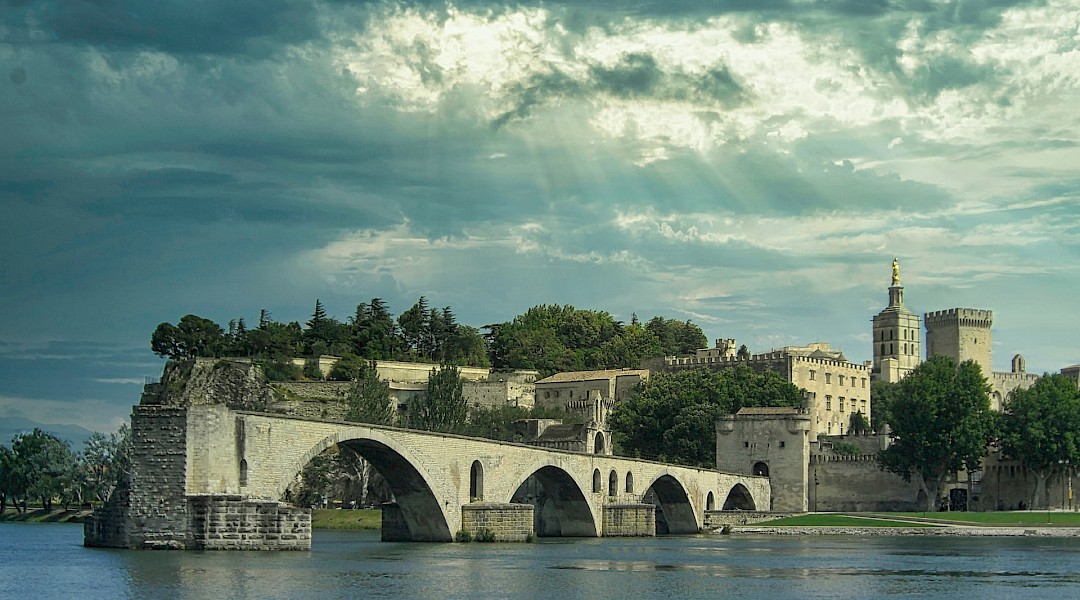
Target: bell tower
x: 896, y: 335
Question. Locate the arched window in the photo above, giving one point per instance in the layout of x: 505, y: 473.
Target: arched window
x: 629, y: 482
x: 761, y: 469
x: 598, y: 443
x: 597, y: 483
x: 243, y: 471
x: 710, y: 502
x: 613, y: 484
x: 476, y: 481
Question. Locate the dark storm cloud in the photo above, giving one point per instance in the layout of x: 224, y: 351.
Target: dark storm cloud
x: 201, y: 26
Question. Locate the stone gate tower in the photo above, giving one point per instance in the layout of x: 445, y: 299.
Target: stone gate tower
x: 961, y: 334
x: 897, y: 348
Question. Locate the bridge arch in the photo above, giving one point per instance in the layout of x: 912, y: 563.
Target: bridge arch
x: 560, y: 508
x: 423, y: 514
x: 675, y: 510
x: 739, y: 498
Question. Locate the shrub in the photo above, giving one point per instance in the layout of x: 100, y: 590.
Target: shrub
x: 312, y: 370
x: 845, y: 449
x: 463, y: 536
x: 485, y: 535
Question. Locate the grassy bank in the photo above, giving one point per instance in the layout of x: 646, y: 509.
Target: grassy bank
x: 328, y: 518
x: 930, y: 519
x: 996, y: 519
x: 40, y: 516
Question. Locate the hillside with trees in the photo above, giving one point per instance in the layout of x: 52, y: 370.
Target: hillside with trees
x: 548, y: 338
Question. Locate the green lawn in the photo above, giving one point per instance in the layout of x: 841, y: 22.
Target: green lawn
x: 329, y: 518
x: 830, y: 520
x: 1026, y: 517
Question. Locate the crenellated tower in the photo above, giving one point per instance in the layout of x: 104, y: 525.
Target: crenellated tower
x: 961, y: 334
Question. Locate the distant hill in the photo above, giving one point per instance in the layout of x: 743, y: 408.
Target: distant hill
x: 12, y: 426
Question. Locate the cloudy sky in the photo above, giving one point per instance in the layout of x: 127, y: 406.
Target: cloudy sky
x: 751, y: 165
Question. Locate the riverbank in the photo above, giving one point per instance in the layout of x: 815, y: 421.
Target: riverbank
x: 38, y: 515
x: 944, y: 530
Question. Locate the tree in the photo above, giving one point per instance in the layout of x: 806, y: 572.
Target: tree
x: 941, y: 423
x: 192, y: 336
x: 374, y: 334
x: 369, y: 398
x: 678, y: 338
x: 7, y: 477
x: 42, y: 461
x: 443, y: 407
x: 1041, y: 429
x: 413, y: 324
x: 672, y: 415
x: 626, y: 351
x: 858, y: 425
x: 882, y: 396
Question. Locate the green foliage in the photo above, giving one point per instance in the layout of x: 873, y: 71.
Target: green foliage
x: 443, y: 407
x: 553, y: 339
x: 349, y: 368
x: 9, y: 481
x: 369, y: 399
x: 463, y: 536
x: 1041, y: 428
x: 192, y: 336
x: 941, y: 423
x: 673, y: 415
x: 315, y: 480
x: 858, y: 425
x: 497, y: 422
x: 106, y: 461
x: 42, y: 466
x: 311, y: 370
x: 485, y: 535
x: 677, y: 338
x: 845, y: 449
x: 882, y: 397
x: 280, y: 369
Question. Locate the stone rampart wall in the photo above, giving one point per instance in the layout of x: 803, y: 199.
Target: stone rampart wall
x: 855, y: 483
x: 715, y: 519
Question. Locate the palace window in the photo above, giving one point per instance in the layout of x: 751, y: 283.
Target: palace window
x: 813, y: 374
x: 828, y: 377
x: 841, y: 404
x: 828, y: 402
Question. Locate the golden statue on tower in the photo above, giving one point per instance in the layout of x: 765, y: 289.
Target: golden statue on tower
x: 895, y: 272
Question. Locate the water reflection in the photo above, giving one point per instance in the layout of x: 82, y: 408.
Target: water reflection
x: 350, y: 564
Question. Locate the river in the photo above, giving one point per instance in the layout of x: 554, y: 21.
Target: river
x: 49, y: 561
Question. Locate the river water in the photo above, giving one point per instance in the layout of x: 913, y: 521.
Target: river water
x: 49, y: 561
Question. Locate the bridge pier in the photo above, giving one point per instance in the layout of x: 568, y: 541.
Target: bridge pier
x: 629, y: 520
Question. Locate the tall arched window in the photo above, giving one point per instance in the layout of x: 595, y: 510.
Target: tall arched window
x: 597, y: 482
x: 629, y: 482
x: 613, y: 484
x: 476, y: 481
x: 710, y: 502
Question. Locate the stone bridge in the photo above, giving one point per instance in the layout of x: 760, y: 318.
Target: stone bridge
x: 212, y: 477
